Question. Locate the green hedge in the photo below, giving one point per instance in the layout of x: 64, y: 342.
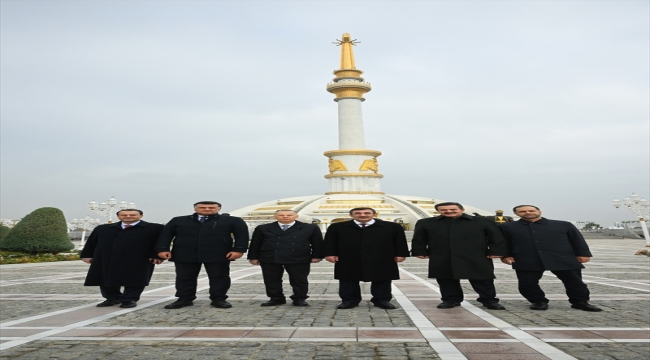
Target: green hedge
x: 3, y: 231
x: 42, y: 231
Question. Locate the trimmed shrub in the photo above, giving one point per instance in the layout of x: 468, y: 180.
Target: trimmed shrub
x: 3, y: 231
x: 44, y: 230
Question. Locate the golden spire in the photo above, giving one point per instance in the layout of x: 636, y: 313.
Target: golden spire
x: 347, y: 54
x: 348, y: 82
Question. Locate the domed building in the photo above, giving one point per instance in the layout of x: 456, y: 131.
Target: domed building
x: 354, y: 178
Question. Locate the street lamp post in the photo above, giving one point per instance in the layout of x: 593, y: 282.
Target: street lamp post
x: 85, y: 224
x: 107, y: 208
x: 641, y: 207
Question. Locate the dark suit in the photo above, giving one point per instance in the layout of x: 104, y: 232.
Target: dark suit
x: 121, y: 258
x: 292, y: 250
x: 547, y: 245
x: 457, y: 249
x: 207, y: 243
x: 366, y: 254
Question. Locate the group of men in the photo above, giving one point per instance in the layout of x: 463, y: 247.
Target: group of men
x: 364, y: 249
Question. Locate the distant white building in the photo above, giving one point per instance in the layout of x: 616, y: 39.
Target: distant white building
x: 9, y: 222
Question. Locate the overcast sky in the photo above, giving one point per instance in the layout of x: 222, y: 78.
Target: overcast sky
x: 164, y: 103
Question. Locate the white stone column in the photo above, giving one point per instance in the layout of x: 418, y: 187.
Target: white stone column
x: 351, y: 125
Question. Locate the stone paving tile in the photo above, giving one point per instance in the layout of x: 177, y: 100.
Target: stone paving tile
x: 565, y: 334
x: 18, y: 332
x: 560, y: 313
x: 303, y: 333
x: 120, y: 350
x: 606, y: 351
x: 86, y: 332
x: 247, y: 313
x: 474, y: 334
x: 494, y: 348
x: 638, y: 277
x: 628, y: 334
x: 6, y: 275
x: 389, y: 334
x: 506, y: 357
x: 18, y: 309
x: 215, y: 333
x: 47, y: 288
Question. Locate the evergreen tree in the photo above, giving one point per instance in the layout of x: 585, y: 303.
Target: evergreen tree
x: 591, y: 226
x: 3, y: 231
x: 44, y: 230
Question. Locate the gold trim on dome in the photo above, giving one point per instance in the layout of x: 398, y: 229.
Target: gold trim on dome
x: 370, y: 175
x: 331, y: 153
x: 354, y: 192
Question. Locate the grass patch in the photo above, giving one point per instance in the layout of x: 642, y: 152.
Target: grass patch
x: 11, y: 257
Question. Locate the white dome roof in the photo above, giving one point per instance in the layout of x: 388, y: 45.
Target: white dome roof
x: 326, y: 209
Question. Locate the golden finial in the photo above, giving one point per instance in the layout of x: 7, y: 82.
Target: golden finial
x: 347, y: 55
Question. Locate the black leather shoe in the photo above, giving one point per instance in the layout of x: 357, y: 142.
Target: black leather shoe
x: 347, y: 305
x: 274, y: 303
x: 300, y: 303
x: 447, y: 305
x: 129, y: 304
x: 495, y: 306
x: 539, y: 306
x: 221, y: 304
x: 108, y: 303
x: 385, y: 305
x: 179, y: 304
x: 585, y: 306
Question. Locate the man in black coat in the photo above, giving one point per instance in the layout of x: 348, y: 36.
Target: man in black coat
x: 365, y: 249
x: 203, y: 238
x: 122, y: 254
x: 537, y: 244
x: 460, y: 246
x: 286, y: 244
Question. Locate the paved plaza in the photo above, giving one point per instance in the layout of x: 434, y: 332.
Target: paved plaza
x: 46, y: 313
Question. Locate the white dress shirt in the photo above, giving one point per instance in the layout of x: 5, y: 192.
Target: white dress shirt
x: 132, y: 224
x: 367, y: 224
x: 289, y: 225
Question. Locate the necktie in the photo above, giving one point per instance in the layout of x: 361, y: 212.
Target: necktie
x: 127, y: 226
x: 284, y: 227
x: 203, y: 218
x: 363, y: 226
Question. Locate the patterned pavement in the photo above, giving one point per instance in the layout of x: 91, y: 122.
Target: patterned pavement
x: 46, y: 313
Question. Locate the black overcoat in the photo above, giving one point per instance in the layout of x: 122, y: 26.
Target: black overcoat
x: 209, y: 241
x: 458, y: 248
x: 544, y: 244
x: 297, y: 245
x: 121, y: 256
x: 366, y: 254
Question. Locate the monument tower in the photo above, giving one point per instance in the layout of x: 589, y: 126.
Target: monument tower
x: 353, y: 169
x: 353, y: 176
